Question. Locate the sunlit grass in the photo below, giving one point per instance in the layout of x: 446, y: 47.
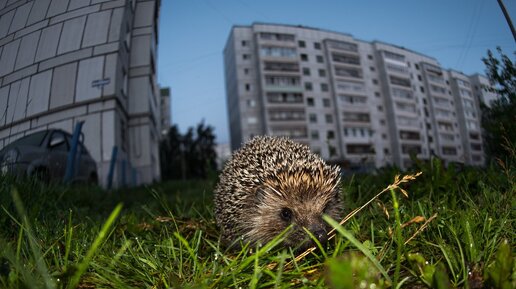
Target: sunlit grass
x: 447, y: 227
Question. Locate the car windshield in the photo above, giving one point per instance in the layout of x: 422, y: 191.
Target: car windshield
x: 34, y: 139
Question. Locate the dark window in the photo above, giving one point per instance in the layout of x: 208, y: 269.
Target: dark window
x: 306, y: 71
x: 304, y: 57
x: 330, y: 134
x: 308, y: 86
x: 370, y: 56
x: 322, y: 72
x: 310, y: 101
x: 326, y: 102
x: 324, y: 87
x: 317, y: 45
x: 319, y: 58
x: 301, y: 43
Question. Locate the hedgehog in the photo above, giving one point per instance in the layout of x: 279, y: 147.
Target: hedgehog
x: 271, y: 184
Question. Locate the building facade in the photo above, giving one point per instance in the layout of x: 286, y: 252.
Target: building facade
x: 366, y: 103
x: 67, y: 61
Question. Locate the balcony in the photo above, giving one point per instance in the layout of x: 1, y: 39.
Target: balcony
x: 360, y: 149
x: 345, y: 58
x: 274, y: 66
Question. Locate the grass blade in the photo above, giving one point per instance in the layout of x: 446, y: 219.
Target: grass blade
x: 81, y: 268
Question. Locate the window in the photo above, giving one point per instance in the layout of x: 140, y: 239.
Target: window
x: 399, y: 81
x: 247, y: 87
x: 330, y: 134
x: 312, y: 118
x: 375, y: 81
x: 341, y: 45
x: 281, y: 66
x: 322, y: 73
x: 359, y: 149
x: 449, y: 151
x: 314, y: 134
x: 370, y: 57
x: 282, y: 81
x: 304, y: 57
x: 329, y: 118
x: 251, y: 103
x: 308, y: 86
x: 274, y: 51
x: 244, y: 43
x: 301, y: 44
x: 372, y: 68
x: 353, y: 99
x: 306, y: 71
x: 309, y: 101
x: 324, y: 87
x: 246, y: 56
x: 317, y: 45
x: 326, y: 102
x: 246, y: 71
x: 345, y: 58
x: 319, y: 58
x: 286, y: 114
x: 409, y: 135
x: 417, y: 66
x: 348, y: 72
x: 284, y: 97
x: 277, y: 36
x: 355, y: 116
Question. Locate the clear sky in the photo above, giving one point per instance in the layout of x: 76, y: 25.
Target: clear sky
x: 193, y: 33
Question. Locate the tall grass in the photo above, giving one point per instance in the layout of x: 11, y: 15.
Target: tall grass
x: 449, y: 227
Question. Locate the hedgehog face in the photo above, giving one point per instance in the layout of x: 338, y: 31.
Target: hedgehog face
x: 296, y: 199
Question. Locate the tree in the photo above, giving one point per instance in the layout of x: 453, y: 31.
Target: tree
x: 191, y: 155
x: 499, y: 120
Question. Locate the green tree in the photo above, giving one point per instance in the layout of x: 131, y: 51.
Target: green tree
x: 499, y: 120
x: 189, y: 155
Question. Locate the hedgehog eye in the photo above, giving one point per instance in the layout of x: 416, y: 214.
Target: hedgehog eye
x: 286, y: 214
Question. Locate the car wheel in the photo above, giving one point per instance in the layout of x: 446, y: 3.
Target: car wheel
x: 93, y: 179
x: 41, y: 174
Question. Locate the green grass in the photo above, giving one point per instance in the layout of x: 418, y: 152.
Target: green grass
x: 455, y: 229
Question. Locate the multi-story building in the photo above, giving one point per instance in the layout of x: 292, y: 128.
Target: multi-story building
x: 369, y: 103
x: 165, y: 109
x: 62, y: 62
x: 482, y: 95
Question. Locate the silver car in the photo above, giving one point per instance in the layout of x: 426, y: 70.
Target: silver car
x: 44, y: 154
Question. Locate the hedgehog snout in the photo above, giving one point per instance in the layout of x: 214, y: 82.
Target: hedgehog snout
x: 319, y: 232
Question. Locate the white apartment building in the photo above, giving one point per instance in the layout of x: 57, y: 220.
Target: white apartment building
x: 365, y: 103
x: 65, y: 61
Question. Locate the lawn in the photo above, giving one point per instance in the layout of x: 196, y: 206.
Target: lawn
x: 446, y: 228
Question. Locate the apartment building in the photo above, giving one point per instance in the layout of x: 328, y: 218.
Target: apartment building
x: 66, y: 61
x: 365, y: 103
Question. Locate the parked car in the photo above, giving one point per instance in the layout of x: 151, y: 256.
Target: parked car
x: 44, y: 154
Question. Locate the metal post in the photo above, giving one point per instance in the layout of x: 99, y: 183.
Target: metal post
x: 112, y: 167
x: 70, y: 162
x: 507, y: 18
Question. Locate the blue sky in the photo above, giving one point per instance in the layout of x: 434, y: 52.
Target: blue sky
x: 193, y: 33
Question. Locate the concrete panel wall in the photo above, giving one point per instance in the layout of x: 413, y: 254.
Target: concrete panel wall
x: 63, y: 61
